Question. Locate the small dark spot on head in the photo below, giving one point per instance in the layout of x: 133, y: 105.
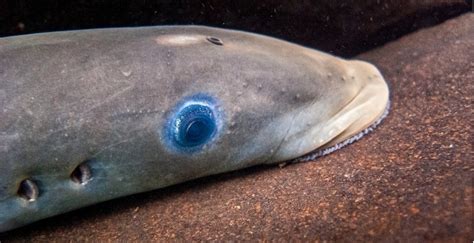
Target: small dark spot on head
x: 28, y: 190
x: 215, y: 40
x: 82, y: 173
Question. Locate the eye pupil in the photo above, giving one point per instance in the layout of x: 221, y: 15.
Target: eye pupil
x: 197, y: 131
x: 194, y: 126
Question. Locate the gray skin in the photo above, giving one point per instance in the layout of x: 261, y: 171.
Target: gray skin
x: 101, y: 98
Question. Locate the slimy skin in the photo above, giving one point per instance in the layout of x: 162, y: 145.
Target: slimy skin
x: 88, y: 116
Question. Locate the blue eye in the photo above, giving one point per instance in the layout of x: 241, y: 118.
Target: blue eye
x: 194, y: 123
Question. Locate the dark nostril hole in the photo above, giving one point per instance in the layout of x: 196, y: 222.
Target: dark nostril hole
x: 215, y: 40
x: 28, y: 190
x: 82, y: 174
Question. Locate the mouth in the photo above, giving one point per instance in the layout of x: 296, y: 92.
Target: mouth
x: 325, y: 150
x: 325, y: 127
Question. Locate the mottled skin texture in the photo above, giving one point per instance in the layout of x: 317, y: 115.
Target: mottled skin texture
x: 104, y: 96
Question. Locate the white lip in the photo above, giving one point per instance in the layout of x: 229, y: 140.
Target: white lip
x: 327, y: 150
x: 367, y: 106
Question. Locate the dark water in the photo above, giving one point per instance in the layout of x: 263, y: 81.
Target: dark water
x: 344, y: 28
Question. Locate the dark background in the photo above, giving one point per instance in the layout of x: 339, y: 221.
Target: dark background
x: 345, y: 28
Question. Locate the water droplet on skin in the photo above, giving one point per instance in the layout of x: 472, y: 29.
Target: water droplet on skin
x: 259, y: 86
x: 245, y: 84
x: 297, y: 96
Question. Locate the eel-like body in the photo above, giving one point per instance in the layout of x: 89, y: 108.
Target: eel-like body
x: 91, y: 115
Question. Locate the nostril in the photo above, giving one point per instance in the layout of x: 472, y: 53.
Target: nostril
x: 82, y: 173
x: 215, y: 40
x: 28, y: 190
